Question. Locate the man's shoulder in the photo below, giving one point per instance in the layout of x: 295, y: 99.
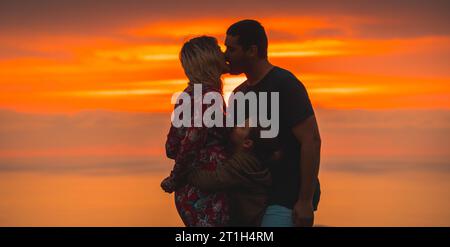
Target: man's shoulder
x: 285, y: 74
x: 286, y: 80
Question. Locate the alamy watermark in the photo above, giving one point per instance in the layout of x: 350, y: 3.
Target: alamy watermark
x: 182, y: 114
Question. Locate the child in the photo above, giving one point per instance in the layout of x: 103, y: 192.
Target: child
x: 242, y: 176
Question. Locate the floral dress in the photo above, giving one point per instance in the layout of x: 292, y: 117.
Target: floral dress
x: 201, y: 147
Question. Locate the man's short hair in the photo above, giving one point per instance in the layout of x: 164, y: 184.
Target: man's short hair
x: 250, y: 32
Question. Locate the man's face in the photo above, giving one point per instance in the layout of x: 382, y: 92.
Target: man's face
x: 235, y: 55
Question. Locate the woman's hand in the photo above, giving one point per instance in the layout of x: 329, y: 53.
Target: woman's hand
x: 168, y: 185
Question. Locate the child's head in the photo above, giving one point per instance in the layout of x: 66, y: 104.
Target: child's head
x: 243, y: 138
x: 248, y: 139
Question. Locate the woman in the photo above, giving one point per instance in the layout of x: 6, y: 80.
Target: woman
x: 198, y: 147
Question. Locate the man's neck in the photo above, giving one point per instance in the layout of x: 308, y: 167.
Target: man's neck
x: 257, y: 71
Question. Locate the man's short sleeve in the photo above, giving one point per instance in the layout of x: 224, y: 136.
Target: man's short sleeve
x: 295, y: 105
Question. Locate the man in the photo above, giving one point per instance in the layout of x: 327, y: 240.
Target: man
x: 295, y: 188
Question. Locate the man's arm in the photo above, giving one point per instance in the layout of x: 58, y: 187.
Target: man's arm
x: 307, y: 134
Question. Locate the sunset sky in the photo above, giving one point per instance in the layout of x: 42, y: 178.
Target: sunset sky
x: 86, y: 87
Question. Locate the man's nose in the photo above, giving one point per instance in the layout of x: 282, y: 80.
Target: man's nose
x: 227, y: 57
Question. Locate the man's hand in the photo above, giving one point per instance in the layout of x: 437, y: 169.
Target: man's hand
x: 303, y: 214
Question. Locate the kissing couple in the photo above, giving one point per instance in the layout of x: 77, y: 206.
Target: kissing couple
x: 231, y: 176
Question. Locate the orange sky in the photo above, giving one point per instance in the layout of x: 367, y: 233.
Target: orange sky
x: 345, y: 61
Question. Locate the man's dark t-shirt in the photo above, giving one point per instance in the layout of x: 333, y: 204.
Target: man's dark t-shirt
x: 295, y: 107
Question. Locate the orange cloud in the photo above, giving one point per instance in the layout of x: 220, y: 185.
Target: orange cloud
x: 127, y: 73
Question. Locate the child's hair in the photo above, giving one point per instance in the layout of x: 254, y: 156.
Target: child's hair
x: 201, y: 59
x: 265, y: 149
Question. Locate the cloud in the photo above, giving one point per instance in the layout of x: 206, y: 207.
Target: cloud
x: 409, y: 17
x: 87, y: 55
x: 381, y: 167
x: 384, y: 141
x: 94, y: 128
x: 88, y: 166
x: 103, y: 142
x: 94, y: 142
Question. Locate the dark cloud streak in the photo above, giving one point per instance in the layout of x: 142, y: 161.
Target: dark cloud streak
x: 411, y: 18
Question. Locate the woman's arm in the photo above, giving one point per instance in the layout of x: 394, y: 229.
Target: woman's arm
x: 189, y: 151
x: 172, y: 142
x: 186, y: 150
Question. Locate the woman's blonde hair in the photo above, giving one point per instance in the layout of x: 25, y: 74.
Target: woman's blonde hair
x: 202, y: 61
